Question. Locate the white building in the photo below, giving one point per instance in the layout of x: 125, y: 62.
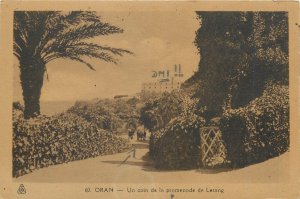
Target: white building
x: 161, y: 86
x: 165, y: 80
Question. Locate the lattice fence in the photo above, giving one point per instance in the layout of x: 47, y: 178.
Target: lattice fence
x: 213, y: 151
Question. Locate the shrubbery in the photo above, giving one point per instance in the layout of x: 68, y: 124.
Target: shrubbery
x: 175, y: 139
x: 259, y: 130
x: 109, y: 114
x: 178, y: 146
x: 158, y: 112
x: 103, y: 117
x: 240, y: 52
x: 45, y: 141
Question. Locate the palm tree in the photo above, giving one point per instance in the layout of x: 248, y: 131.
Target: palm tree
x: 41, y: 37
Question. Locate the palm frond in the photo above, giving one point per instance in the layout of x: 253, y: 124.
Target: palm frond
x: 89, y: 50
x: 20, y: 32
x: 76, y: 17
x: 51, y: 35
x: 80, y: 53
x: 58, y: 24
x: 79, y: 33
x: 115, y: 51
x: 29, y: 27
x: 79, y: 60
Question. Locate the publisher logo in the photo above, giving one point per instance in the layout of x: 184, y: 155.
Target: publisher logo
x: 21, y: 189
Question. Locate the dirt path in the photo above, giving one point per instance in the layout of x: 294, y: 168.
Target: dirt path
x: 112, y: 169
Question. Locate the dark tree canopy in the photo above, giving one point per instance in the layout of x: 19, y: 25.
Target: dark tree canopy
x: 240, y: 52
x: 158, y: 112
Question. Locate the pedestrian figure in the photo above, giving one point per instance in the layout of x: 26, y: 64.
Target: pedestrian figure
x: 130, y: 134
x: 144, y: 135
x: 139, y: 135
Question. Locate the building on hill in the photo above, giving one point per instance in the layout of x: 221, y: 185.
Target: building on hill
x: 120, y: 96
x: 161, y: 86
x: 165, y: 80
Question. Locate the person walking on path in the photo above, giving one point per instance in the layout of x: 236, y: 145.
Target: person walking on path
x: 130, y: 134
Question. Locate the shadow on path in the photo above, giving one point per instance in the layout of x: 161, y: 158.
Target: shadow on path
x: 137, y: 156
x: 214, y: 171
x: 140, y: 145
x: 145, y: 162
x: 129, y: 162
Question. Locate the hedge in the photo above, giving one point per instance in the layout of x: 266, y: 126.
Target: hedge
x: 62, y: 138
x: 177, y: 147
x: 98, y: 114
x: 260, y: 130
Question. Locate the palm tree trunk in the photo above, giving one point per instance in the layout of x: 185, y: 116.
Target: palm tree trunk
x: 32, y: 76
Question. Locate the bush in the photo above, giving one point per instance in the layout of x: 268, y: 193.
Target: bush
x: 154, y: 137
x: 103, y: 117
x: 239, y: 53
x: 109, y: 114
x: 18, y: 106
x: 62, y: 138
x: 158, y: 112
x: 260, y: 130
x: 177, y: 147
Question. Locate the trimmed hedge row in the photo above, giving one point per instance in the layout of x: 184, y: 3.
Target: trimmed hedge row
x: 260, y: 130
x: 62, y: 138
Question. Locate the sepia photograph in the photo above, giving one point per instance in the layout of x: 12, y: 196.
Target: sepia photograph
x: 152, y: 101
x: 142, y: 95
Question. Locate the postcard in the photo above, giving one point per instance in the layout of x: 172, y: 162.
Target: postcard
x: 149, y: 99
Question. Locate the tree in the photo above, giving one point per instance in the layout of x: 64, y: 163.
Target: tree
x: 240, y: 53
x: 157, y: 113
x: 41, y: 37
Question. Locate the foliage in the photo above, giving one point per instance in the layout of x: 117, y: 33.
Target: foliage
x: 146, y: 96
x: 240, y: 53
x: 52, y: 35
x: 125, y: 109
x: 18, y: 106
x: 133, y: 102
x: 43, y: 141
x: 109, y: 114
x: 174, y: 129
x: 43, y: 36
x: 177, y: 147
x: 99, y: 115
x: 157, y: 113
x: 259, y: 130
x: 132, y: 124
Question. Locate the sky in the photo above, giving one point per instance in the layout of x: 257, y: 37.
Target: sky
x: 158, y: 40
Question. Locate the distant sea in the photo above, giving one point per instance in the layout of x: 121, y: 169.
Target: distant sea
x: 54, y: 107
